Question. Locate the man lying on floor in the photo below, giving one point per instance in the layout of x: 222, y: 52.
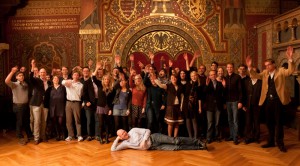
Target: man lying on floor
x: 142, y: 139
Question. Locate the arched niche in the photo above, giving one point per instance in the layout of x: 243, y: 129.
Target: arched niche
x: 189, y: 32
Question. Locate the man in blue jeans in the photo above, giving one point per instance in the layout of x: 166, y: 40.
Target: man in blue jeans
x: 20, y: 91
x: 233, y: 91
x: 142, y: 139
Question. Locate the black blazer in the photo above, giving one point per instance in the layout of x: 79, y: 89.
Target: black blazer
x: 155, y: 95
x: 214, y: 97
x: 233, y: 88
x: 104, y: 99
x: 88, y: 93
x: 244, y: 84
x: 38, y: 91
x: 172, y: 93
x: 253, y: 93
x: 191, y: 90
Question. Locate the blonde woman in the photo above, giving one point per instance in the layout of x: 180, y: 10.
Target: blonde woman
x: 138, y: 102
x: 104, y: 104
x: 192, y: 104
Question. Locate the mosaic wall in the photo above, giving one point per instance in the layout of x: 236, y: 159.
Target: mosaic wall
x: 55, y: 33
x: 194, y: 25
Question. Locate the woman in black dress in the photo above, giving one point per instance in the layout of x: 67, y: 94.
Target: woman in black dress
x: 57, y: 104
x: 174, y: 105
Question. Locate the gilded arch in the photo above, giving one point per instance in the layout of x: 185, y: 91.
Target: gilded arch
x: 162, y: 23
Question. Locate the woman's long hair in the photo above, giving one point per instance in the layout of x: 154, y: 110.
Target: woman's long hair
x: 107, y: 88
x: 141, y: 86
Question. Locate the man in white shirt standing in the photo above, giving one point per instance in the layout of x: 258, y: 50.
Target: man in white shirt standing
x: 73, y: 105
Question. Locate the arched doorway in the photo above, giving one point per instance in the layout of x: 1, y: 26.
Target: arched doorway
x: 165, y: 36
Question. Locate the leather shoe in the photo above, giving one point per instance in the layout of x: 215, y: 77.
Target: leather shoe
x: 248, y: 141
x: 236, y: 142
x: 229, y: 139
x: 268, y: 145
x: 257, y: 141
x: 89, y: 138
x: 36, y: 142
x: 209, y: 141
x: 282, y: 148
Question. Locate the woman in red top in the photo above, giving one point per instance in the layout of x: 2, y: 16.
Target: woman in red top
x: 138, y: 102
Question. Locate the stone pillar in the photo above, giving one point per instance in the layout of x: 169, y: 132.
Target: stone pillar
x: 235, y: 38
x: 90, y: 43
x: 293, y: 27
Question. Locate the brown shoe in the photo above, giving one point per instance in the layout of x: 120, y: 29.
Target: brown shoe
x: 36, y: 142
x: 22, y: 141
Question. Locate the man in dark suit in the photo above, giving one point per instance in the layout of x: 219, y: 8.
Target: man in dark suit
x: 274, y: 96
x: 214, y: 101
x: 39, y: 113
x: 242, y: 70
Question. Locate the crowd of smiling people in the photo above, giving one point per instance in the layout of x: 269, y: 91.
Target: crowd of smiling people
x: 124, y: 99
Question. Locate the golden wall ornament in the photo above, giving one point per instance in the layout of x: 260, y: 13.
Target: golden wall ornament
x: 127, y: 10
x: 197, y: 8
x: 197, y: 11
x: 176, y: 25
x: 112, y: 28
x: 165, y: 41
x: 90, y: 47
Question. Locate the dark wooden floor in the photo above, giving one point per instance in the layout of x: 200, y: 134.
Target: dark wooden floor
x: 92, y: 153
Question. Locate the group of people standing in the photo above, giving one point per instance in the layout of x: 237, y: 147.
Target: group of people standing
x: 125, y: 99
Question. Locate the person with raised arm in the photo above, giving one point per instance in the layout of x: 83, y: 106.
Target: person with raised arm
x: 39, y: 112
x: 20, y: 91
x: 274, y: 96
x: 175, y: 96
x: 73, y: 105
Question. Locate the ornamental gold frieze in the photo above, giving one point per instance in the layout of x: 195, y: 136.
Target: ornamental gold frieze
x: 161, y: 41
x: 53, y: 3
x: 127, y: 10
x: 197, y: 11
x: 49, y: 11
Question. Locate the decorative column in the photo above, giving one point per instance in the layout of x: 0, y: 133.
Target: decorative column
x: 89, y: 49
x: 293, y: 27
x: 235, y: 38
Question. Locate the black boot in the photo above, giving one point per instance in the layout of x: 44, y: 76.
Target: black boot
x: 106, y: 138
